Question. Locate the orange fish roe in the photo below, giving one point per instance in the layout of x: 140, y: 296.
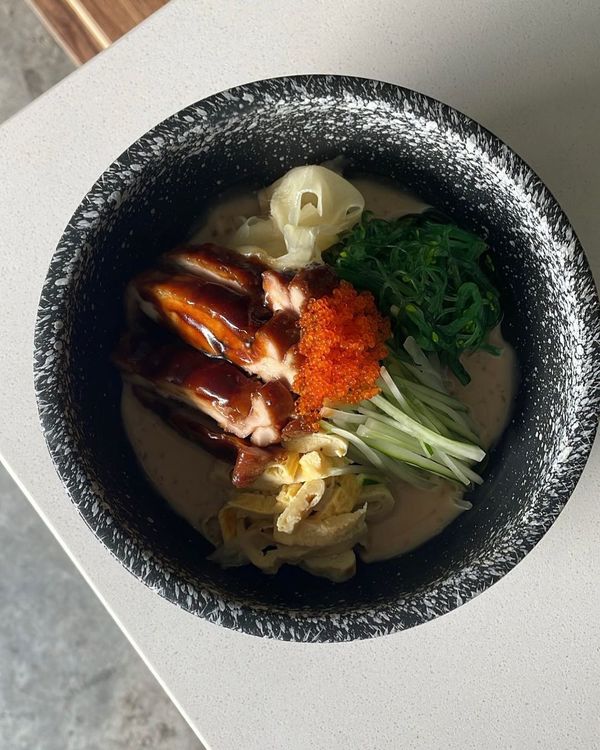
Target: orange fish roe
x: 341, y: 345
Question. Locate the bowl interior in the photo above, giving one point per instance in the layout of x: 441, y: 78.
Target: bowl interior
x: 148, y: 201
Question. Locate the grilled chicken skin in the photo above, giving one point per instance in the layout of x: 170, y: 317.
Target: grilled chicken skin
x: 231, y: 306
x: 248, y: 460
x: 279, y: 290
x: 239, y: 404
x: 221, y: 321
x: 219, y: 264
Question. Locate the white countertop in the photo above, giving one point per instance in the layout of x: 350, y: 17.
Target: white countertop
x: 520, y: 665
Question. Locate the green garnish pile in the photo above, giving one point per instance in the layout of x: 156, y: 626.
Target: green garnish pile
x: 429, y: 277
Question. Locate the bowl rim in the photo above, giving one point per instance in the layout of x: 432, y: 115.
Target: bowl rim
x: 250, y: 618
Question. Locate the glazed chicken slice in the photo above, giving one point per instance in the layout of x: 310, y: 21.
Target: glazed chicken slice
x: 277, y: 294
x: 211, y: 317
x: 219, y: 264
x: 282, y: 291
x: 221, y: 321
x: 239, y: 404
x: 231, y: 306
x: 224, y: 266
x: 274, y: 348
x: 292, y: 294
x: 249, y: 461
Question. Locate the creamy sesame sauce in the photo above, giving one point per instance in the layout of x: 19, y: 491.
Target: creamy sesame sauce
x: 196, y: 484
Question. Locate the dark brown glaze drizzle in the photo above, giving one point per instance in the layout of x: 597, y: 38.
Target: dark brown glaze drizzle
x: 222, y: 321
x: 212, y: 317
x: 248, y: 274
x: 296, y: 427
x: 277, y: 337
x: 234, y: 309
x: 291, y: 293
x: 249, y: 461
x: 313, y: 282
x: 275, y: 287
x: 219, y: 264
x: 238, y: 403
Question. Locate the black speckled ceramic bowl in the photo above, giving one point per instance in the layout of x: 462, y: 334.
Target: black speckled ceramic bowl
x: 146, y: 202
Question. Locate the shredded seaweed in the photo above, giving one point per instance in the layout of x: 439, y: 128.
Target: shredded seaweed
x: 430, y: 277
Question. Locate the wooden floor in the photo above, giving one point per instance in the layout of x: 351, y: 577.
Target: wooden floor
x: 85, y: 27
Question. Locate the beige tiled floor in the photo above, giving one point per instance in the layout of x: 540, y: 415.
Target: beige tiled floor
x: 68, y: 678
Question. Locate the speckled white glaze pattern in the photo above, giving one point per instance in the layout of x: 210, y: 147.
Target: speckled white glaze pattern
x: 540, y: 240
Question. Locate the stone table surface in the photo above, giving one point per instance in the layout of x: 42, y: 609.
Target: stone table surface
x: 519, y: 666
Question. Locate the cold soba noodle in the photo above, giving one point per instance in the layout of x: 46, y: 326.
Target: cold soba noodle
x: 370, y: 467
